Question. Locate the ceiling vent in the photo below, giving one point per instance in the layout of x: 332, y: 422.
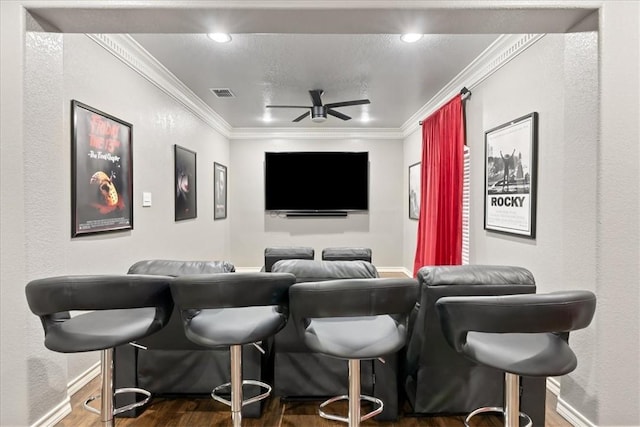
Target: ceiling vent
x: 222, y: 93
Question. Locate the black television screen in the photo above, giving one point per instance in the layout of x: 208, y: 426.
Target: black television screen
x: 317, y: 181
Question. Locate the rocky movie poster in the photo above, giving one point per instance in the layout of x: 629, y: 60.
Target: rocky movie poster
x: 102, y: 178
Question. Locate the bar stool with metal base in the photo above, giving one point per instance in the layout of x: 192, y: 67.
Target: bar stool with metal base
x: 353, y: 319
x: 524, y: 335
x: 233, y: 309
x: 124, y: 308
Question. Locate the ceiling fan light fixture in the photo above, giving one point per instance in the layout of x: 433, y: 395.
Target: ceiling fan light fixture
x: 318, y: 114
x: 410, y: 37
x: 220, y: 37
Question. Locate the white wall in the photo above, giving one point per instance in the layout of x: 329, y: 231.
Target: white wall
x: 253, y: 229
x: 61, y: 68
x: 412, y: 153
x: 556, y: 77
x: 585, y: 88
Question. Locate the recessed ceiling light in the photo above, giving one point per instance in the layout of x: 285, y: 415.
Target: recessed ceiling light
x: 220, y: 37
x: 410, y: 37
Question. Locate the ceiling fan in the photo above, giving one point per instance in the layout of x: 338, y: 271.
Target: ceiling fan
x: 318, y: 111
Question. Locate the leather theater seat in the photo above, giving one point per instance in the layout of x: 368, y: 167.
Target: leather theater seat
x: 439, y: 381
x: 168, y: 364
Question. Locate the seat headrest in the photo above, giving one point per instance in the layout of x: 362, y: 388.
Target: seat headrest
x: 313, y: 271
x: 475, y: 275
x: 176, y: 268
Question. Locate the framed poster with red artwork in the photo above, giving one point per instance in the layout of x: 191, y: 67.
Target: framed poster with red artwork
x: 102, y: 172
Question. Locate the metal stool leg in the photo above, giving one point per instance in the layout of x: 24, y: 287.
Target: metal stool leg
x: 511, y: 409
x: 237, y: 402
x: 354, y: 398
x: 107, y: 410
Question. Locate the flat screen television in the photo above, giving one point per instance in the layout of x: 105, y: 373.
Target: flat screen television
x: 318, y: 181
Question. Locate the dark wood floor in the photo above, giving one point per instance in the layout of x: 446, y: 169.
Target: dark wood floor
x: 205, y: 412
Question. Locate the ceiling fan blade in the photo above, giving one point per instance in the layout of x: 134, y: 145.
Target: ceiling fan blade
x: 315, y: 96
x: 347, y: 103
x: 287, y: 106
x: 334, y: 113
x: 297, y: 119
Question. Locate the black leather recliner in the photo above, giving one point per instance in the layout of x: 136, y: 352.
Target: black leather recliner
x: 167, y: 363
x: 436, y: 379
x: 274, y: 254
x: 301, y: 373
x: 346, y: 253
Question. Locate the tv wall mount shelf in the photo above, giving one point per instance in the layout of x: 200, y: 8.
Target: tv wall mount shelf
x: 307, y: 214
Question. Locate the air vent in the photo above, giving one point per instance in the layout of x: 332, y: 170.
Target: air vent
x: 222, y: 93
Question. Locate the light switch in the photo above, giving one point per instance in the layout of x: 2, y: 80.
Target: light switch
x: 146, y: 199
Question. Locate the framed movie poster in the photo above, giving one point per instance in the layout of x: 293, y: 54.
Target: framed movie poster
x: 102, y: 172
x: 414, y: 191
x: 220, y: 191
x: 186, y: 206
x: 510, y: 177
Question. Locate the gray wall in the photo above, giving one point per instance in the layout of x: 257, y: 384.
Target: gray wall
x: 253, y: 229
x: 546, y: 79
x: 605, y: 390
x: 60, y: 68
x: 585, y: 88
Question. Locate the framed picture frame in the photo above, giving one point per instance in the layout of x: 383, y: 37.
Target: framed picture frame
x: 185, y: 189
x: 102, y: 172
x: 220, y: 191
x: 511, y: 152
x: 414, y: 190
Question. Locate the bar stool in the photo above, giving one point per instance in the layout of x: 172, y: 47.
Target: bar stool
x: 517, y: 334
x: 125, y: 308
x: 353, y: 319
x: 232, y: 309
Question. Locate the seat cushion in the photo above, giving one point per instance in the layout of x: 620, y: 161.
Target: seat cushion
x: 534, y: 355
x: 364, y: 337
x: 103, y: 329
x: 236, y: 325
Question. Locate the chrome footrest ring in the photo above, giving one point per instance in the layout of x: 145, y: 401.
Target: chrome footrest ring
x: 215, y: 393
x: 373, y: 413
x: 498, y: 409
x: 123, y: 408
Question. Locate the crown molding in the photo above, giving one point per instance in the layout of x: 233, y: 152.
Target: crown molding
x: 127, y: 50
x: 316, y: 133
x: 498, y: 54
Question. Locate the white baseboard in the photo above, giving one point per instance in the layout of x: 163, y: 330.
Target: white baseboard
x: 83, y: 379
x: 63, y: 409
x: 55, y: 415
x: 565, y: 410
x: 553, y: 385
x: 570, y: 414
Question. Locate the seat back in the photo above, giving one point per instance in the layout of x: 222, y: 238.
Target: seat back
x: 109, y: 299
x: 346, y: 254
x: 436, y: 378
x: 275, y: 254
x: 349, y: 298
x: 172, y: 337
x: 315, y: 271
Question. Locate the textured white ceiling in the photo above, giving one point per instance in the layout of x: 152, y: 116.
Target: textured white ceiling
x: 262, y: 69
x: 282, y: 49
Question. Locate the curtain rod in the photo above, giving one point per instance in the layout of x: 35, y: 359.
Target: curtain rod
x: 464, y: 92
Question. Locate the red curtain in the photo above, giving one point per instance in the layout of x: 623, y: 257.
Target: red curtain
x: 440, y: 222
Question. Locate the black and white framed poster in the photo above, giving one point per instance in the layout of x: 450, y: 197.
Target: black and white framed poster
x: 414, y: 190
x: 510, y: 177
x: 220, y: 192
x: 102, y: 172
